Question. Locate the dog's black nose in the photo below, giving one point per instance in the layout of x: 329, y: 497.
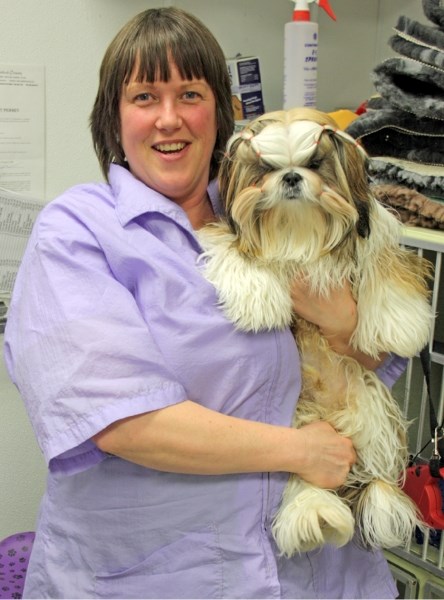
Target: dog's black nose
x: 292, y: 179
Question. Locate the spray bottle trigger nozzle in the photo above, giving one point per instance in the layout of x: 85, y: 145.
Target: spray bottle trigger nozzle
x: 328, y: 9
x: 301, y: 8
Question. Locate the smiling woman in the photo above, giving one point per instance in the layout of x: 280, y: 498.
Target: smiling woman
x: 168, y: 131
x: 144, y: 52
x: 166, y: 430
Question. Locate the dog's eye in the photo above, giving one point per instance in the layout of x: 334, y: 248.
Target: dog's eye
x: 264, y: 167
x: 314, y: 164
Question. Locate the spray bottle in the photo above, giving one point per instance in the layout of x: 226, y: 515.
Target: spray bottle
x: 301, y: 55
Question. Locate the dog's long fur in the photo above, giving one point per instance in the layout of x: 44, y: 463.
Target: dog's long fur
x: 298, y: 204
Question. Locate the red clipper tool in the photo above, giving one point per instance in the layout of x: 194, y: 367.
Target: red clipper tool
x: 424, y: 484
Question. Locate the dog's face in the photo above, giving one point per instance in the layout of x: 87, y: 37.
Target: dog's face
x: 294, y: 187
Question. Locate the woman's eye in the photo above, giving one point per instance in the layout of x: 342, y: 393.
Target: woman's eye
x: 191, y: 96
x: 143, y: 97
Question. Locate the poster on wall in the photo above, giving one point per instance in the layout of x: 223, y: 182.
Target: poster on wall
x: 22, y: 167
x: 22, y: 129
x: 18, y: 213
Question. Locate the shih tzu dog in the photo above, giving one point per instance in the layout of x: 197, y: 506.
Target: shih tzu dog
x: 298, y: 204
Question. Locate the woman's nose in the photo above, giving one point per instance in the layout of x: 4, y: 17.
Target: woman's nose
x: 168, y: 116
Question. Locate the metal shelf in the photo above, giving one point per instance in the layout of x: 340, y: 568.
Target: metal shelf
x: 427, y: 556
x: 419, y: 237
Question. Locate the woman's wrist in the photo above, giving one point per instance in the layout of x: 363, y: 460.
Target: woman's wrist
x: 340, y: 343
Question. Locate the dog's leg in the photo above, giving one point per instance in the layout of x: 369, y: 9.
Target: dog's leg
x: 309, y: 516
x: 385, y: 515
x: 358, y: 405
x: 394, y: 312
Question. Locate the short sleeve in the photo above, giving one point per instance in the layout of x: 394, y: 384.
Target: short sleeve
x: 78, y: 348
x: 391, y: 369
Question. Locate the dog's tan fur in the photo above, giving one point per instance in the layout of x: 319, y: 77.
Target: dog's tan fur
x: 328, y: 228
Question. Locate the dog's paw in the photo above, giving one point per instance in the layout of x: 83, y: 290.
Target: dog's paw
x: 385, y: 515
x: 312, y: 518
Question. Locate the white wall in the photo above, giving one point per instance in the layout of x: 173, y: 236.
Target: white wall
x: 69, y: 37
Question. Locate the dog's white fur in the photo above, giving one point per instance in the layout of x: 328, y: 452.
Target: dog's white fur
x: 298, y: 205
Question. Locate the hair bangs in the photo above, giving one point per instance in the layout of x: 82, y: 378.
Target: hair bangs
x: 153, y: 59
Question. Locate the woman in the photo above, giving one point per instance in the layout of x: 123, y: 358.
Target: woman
x: 165, y: 430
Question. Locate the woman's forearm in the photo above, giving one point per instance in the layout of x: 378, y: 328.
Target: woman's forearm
x: 189, y: 438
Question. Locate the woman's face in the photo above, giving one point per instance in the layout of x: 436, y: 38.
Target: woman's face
x: 168, y: 132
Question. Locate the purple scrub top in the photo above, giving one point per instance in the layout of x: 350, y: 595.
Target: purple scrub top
x: 111, y: 318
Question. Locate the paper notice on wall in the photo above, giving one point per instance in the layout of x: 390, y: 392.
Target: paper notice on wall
x: 22, y: 129
x: 17, y: 215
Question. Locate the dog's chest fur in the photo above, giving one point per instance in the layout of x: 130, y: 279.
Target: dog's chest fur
x: 255, y: 294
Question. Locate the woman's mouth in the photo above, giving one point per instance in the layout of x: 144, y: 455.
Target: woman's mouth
x: 170, y: 148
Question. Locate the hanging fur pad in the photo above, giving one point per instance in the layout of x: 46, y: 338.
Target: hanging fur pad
x: 411, y: 86
x: 412, y: 208
x: 434, y: 11
x: 390, y: 132
x: 403, y: 128
x: 387, y: 170
x: 418, y: 42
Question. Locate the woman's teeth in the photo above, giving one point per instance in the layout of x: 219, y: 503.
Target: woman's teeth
x: 170, y: 147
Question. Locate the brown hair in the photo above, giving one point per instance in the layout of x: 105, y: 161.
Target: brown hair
x: 150, y: 38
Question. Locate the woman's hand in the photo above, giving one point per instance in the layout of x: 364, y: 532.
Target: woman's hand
x: 335, y: 315
x: 327, y: 458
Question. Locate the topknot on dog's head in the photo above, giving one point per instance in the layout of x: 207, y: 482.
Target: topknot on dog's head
x: 284, y: 138
x: 289, y: 138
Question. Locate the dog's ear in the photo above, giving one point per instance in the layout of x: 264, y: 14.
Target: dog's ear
x: 226, y: 168
x: 226, y: 179
x: 354, y: 178
x: 239, y: 169
x: 363, y: 224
